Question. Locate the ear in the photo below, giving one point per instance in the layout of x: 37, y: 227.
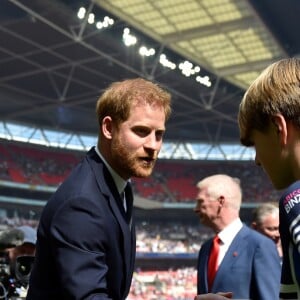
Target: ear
x: 281, y: 128
x: 221, y: 200
x: 253, y: 225
x: 107, y: 127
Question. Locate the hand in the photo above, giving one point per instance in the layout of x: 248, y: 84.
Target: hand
x: 218, y: 296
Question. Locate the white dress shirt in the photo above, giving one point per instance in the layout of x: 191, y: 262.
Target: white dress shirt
x: 226, y: 236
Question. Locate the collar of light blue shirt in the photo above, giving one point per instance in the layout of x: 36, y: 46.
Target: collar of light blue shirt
x: 119, y: 181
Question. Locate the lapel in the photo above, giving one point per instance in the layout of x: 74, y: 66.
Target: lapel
x: 203, y: 263
x: 232, y: 254
x: 108, y: 188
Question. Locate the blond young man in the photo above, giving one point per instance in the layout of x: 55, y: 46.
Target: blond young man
x: 269, y: 120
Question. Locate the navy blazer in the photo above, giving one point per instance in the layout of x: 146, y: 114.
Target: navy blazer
x: 250, y: 269
x: 85, y: 248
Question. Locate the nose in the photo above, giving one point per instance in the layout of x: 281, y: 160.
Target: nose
x: 196, y: 208
x: 256, y: 160
x: 153, y: 142
x: 276, y: 233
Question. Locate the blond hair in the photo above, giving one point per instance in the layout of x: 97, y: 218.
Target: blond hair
x: 276, y: 90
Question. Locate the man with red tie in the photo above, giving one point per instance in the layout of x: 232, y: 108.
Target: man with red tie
x: 238, y: 259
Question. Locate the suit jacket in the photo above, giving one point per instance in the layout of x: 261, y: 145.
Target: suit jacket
x: 250, y: 269
x: 85, y: 248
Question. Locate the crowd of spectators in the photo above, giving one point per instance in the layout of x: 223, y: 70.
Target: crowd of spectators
x: 7, y: 223
x: 170, y: 237
x: 172, y: 181
x: 154, y: 237
x: 171, y: 284
x: 175, y: 181
x: 35, y: 165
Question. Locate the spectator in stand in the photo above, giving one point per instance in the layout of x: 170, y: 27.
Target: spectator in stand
x: 86, y: 235
x: 238, y: 259
x: 269, y: 120
x: 266, y: 221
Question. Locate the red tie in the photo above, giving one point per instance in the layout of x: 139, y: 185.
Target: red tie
x: 213, y: 261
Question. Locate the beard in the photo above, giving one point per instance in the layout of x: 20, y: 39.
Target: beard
x: 128, y: 164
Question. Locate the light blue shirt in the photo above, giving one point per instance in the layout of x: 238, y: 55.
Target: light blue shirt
x: 119, y: 181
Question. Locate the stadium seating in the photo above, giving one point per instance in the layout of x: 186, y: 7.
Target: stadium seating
x: 171, y: 181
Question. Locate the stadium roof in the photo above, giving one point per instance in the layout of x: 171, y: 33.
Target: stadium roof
x: 54, y: 65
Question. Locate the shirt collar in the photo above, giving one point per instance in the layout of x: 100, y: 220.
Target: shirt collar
x: 230, y: 231
x: 119, y: 181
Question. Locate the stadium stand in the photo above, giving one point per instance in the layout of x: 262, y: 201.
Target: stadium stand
x: 168, y: 240
x: 172, y: 181
x: 171, y: 284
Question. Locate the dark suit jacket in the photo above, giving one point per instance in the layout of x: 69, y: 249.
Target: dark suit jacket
x: 250, y: 269
x: 85, y: 249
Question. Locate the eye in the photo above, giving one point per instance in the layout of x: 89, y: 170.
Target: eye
x: 141, y: 131
x: 159, y: 134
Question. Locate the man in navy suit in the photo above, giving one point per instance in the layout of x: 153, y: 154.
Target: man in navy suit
x: 86, y: 235
x: 248, y: 264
